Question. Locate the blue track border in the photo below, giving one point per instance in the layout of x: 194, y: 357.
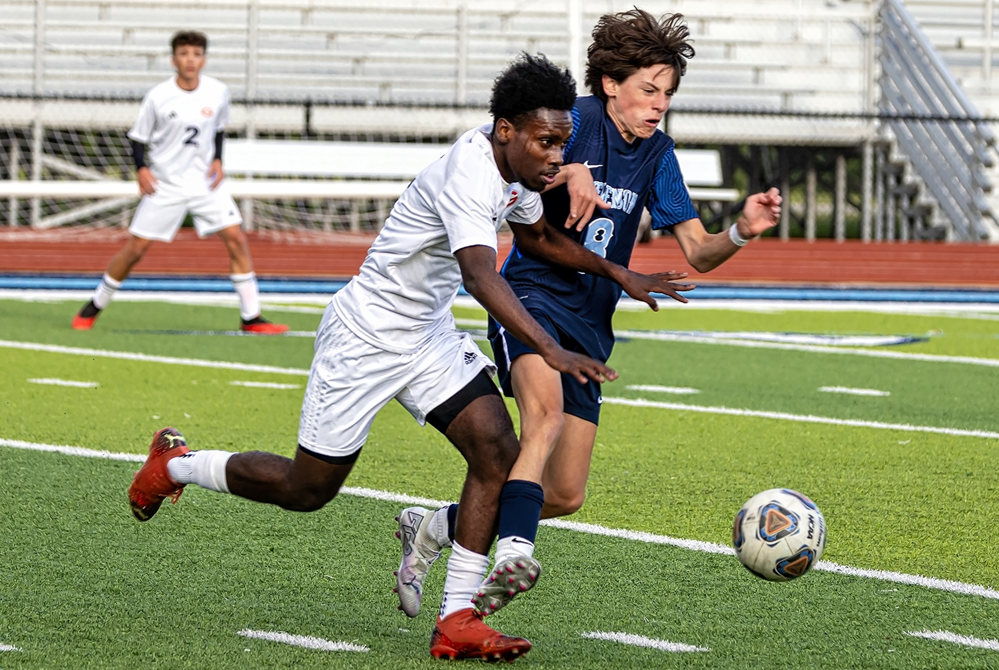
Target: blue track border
x: 329, y: 286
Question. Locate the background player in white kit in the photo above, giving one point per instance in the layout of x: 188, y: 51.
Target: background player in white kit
x: 177, y: 147
x: 390, y: 334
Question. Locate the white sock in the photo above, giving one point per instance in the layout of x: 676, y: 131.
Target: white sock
x: 465, y: 572
x: 510, y: 547
x: 204, y: 468
x: 245, y: 286
x: 438, y: 527
x: 105, y: 291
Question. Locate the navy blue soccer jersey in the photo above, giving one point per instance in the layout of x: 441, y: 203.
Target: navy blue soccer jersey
x: 629, y: 177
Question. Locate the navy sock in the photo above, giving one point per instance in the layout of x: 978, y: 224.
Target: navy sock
x: 520, y: 509
x: 452, y: 521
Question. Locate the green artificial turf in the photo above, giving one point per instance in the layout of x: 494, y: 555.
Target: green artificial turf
x: 84, y: 585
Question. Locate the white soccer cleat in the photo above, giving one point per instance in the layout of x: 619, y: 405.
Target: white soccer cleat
x: 512, y: 576
x: 419, y: 551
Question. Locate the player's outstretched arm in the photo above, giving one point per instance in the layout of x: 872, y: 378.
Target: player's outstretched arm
x: 478, y: 272
x: 706, y: 251
x: 542, y: 240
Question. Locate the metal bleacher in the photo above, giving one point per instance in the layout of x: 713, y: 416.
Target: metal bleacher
x: 777, y: 54
x: 422, y: 69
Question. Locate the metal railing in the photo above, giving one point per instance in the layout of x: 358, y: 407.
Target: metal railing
x: 949, y: 157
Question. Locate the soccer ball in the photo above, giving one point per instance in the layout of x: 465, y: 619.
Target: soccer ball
x: 779, y: 534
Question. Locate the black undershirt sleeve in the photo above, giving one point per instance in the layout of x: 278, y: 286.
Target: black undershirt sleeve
x: 139, y: 155
x: 219, y: 136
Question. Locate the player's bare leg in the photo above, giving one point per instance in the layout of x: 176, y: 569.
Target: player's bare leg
x: 568, y: 468
x: 538, y: 390
x: 238, y: 247
x: 304, y: 484
x: 118, y: 270
x: 484, y: 435
x: 244, y: 282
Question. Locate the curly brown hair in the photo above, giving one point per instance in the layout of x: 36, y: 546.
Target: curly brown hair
x: 626, y: 42
x: 188, y: 38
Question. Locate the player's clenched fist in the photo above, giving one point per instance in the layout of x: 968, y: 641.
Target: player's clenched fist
x: 760, y: 213
x: 147, y: 182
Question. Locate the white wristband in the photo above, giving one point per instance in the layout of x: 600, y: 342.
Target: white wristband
x: 737, y: 239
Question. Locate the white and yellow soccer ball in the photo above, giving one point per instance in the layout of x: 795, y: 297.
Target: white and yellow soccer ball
x: 779, y: 534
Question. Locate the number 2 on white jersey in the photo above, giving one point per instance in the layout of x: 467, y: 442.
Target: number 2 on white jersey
x: 192, y: 138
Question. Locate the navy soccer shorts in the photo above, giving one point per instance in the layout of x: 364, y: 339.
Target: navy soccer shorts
x: 581, y: 400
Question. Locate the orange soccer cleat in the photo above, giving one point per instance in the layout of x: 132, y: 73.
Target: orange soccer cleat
x: 84, y: 319
x: 262, y: 326
x: 152, y: 484
x: 464, y: 635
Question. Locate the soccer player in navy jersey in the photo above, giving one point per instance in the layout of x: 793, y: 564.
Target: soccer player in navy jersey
x: 617, y: 162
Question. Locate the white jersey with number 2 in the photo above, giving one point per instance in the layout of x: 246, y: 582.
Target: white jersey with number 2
x: 179, y: 128
x: 407, y: 284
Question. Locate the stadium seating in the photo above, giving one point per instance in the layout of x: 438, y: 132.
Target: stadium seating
x: 422, y: 69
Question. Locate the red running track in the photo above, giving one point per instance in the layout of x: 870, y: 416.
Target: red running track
x: 339, y: 255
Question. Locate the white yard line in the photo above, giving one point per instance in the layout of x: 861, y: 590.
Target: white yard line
x: 810, y: 348
x: 947, y: 636
x: 589, y: 529
x: 783, y: 416
x: 958, y: 310
x: 852, y: 391
x: 130, y: 356
x: 266, y: 385
x: 803, y: 418
x: 640, y: 641
x: 302, y: 640
x: 65, y: 382
x: 675, y: 390
x: 7, y: 647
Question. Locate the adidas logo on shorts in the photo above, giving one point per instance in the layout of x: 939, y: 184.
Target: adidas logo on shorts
x: 469, y: 357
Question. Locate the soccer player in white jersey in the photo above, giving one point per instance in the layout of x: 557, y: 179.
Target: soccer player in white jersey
x: 390, y: 334
x: 177, y: 148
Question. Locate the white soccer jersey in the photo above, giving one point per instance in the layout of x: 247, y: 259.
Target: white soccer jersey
x: 179, y: 128
x: 408, y: 282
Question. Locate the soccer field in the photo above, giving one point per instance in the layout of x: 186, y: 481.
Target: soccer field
x: 697, y: 423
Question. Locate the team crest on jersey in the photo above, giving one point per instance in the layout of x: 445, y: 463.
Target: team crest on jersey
x: 207, y: 111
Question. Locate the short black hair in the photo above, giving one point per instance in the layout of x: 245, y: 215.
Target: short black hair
x: 528, y: 84
x: 188, y: 38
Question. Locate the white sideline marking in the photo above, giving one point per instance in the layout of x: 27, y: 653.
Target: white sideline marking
x: 820, y: 339
x: 65, y: 382
x: 633, y: 334
x: 591, y: 529
x: 639, y: 641
x: 196, y: 362
x: 301, y: 640
x: 947, y: 636
x: 72, y: 451
x: 804, y: 418
x: 811, y: 348
x: 266, y: 385
x: 8, y: 647
x: 675, y: 390
x: 852, y: 391
x: 169, y: 360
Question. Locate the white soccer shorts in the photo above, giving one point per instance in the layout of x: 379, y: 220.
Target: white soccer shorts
x: 351, y: 380
x: 158, y: 216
